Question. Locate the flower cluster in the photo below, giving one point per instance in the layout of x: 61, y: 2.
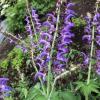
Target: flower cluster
x: 34, y: 24
x: 4, y: 89
x: 87, y: 38
x: 45, y: 42
x: 66, y: 36
x: 96, y: 22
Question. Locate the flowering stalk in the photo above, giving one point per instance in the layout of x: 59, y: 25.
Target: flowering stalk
x: 92, y: 48
x: 52, y: 48
x: 31, y: 39
x: 91, y: 55
x: 27, y: 4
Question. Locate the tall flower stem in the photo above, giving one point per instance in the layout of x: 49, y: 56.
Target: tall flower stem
x: 32, y: 54
x: 92, y: 48
x: 27, y: 5
x: 33, y: 62
x: 52, y: 48
x: 91, y: 55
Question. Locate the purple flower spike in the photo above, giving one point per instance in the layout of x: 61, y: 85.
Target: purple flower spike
x: 36, y: 21
x: 28, y: 26
x: 66, y: 36
x: 88, y: 26
x: 45, y: 41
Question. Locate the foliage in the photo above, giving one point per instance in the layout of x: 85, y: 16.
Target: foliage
x: 35, y: 93
x: 4, y: 64
x: 15, y: 17
x: 16, y: 14
x: 87, y: 89
x: 43, y: 6
x: 4, y: 4
x: 79, y: 22
x: 22, y: 89
x: 15, y: 59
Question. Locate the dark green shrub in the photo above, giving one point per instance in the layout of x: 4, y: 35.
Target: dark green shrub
x: 15, y: 17
x: 16, y: 14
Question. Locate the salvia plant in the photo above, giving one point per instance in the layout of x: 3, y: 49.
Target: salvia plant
x: 51, y: 48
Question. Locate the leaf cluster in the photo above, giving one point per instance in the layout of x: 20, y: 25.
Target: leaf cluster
x: 88, y: 89
x: 15, y: 59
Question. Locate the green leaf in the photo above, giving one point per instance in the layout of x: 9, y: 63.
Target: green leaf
x: 69, y: 96
x: 86, y: 89
x: 55, y: 96
x: 39, y: 97
x: 34, y: 92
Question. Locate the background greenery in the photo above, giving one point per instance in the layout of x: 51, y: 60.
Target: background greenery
x: 15, y: 12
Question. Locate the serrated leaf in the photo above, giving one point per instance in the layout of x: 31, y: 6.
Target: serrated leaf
x: 79, y: 85
x: 86, y: 89
x: 69, y: 96
x: 33, y: 92
x: 55, y: 96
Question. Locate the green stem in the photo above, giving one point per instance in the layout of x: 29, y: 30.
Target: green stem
x: 33, y: 61
x: 91, y: 55
x: 51, y: 53
x: 92, y: 49
x: 60, y: 76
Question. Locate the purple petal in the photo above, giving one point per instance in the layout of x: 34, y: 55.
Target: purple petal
x: 98, y: 54
x: 87, y: 38
x: 40, y: 75
x: 98, y: 40
x: 3, y: 81
x: 70, y: 5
